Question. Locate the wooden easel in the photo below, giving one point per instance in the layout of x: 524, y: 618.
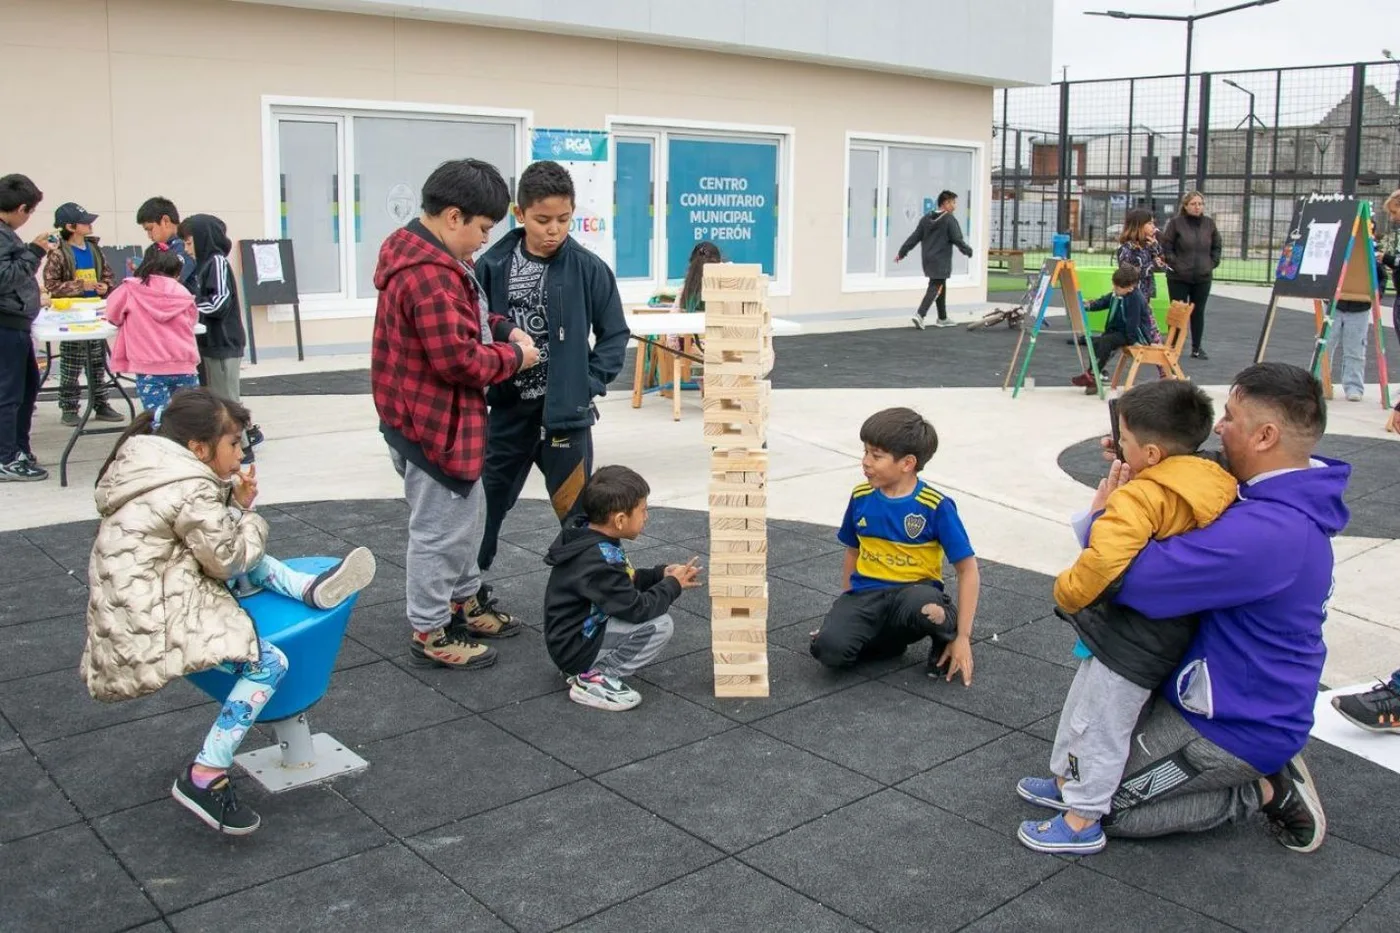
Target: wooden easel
x: 1349, y: 275
x: 1055, y: 273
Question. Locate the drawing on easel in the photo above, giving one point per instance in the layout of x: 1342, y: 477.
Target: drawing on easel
x: 267, y: 260
x: 1291, y: 258
x: 1317, y: 254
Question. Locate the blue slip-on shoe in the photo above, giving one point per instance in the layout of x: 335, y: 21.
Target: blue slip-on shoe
x: 1043, y: 792
x: 1054, y: 837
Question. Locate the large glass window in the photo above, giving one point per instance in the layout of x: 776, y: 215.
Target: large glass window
x: 891, y: 186
x: 310, y: 156
x: 720, y: 186
x: 349, y: 179
x: 634, y: 197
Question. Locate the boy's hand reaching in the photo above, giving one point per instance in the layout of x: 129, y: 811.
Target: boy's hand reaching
x: 521, y: 337
x: 957, y: 658
x: 687, y: 574
x: 245, y: 486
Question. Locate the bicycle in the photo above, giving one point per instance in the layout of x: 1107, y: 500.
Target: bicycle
x: 1013, y: 317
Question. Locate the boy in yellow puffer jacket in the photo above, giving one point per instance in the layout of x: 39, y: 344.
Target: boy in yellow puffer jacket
x: 1124, y: 655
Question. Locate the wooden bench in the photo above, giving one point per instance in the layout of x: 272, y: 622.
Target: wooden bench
x: 1166, y: 355
x: 1013, y: 259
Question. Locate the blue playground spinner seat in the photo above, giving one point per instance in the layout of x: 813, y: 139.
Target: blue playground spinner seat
x: 310, y: 638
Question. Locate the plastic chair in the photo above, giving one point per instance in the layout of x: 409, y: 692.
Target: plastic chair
x: 310, y: 638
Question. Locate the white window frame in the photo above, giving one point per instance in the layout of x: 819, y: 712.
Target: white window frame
x: 341, y: 112
x: 658, y: 255
x: 637, y: 291
x: 885, y: 241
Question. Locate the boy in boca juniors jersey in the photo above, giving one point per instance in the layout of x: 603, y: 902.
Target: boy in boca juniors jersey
x: 897, y: 531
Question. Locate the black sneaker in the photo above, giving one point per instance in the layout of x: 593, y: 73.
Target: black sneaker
x: 216, y: 804
x: 255, y: 435
x: 248, y: 457
x: 22, y: 470
x: 1198, y: 354
x: 1296, y: 812
x: 1377, y: 710
x: 69, y: 419
x: 107, y: 413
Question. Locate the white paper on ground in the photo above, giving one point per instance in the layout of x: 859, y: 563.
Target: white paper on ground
x: 1334, y: 729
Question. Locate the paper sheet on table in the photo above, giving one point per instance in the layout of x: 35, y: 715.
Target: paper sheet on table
x: 1331, y: 727
x: 1317, y: 253
x: 268, y: 259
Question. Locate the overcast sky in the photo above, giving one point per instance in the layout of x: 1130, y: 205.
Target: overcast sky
x: 1289, y: 32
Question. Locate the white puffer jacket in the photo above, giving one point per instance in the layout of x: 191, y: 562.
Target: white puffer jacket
x: 159, y: 608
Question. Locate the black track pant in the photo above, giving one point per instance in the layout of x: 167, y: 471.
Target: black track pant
x: 875, y: 624
x: 516, y: 441
x: 1196, y: 293
x: 935, y: 293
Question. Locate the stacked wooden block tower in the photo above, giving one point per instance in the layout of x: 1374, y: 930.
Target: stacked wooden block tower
x: 738, y: 358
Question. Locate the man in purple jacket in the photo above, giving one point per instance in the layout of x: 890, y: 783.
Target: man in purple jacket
x: 1224, y: 737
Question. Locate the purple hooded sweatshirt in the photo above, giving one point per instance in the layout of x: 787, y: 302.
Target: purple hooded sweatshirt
x: 1260, y: 577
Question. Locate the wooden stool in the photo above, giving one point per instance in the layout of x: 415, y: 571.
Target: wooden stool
x: 1166, y: 354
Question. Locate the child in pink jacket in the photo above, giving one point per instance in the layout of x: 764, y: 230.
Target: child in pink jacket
x: 155, y: 316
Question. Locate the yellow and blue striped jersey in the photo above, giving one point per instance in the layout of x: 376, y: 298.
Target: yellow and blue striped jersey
x: 902, y: 540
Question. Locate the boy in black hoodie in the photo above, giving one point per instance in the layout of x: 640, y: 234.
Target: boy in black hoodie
x: 603, y: 619
x: 1126, y: 323
x: 216, y: 295
x: 19, y: 306
x: 559, y: 293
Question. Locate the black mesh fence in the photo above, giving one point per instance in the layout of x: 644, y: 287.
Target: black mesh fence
x: 1076, y: 156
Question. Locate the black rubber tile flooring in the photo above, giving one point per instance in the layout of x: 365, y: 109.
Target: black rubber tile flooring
x: 870, y: 800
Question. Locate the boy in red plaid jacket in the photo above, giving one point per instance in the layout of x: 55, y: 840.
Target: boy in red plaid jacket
x: 436, y: 349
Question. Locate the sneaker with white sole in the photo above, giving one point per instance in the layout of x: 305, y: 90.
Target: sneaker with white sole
x: 217, y: 805
x: 1299, y: 822
x: 918, y: 322
x: 334, y: 586
x: 944, y: 322
x: 602, y: 692
x: 22, y: 470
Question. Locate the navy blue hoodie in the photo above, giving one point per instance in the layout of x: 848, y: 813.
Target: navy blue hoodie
x: 581, y: 299
x: 1260, y: 576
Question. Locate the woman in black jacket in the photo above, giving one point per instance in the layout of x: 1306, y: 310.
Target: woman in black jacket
x: 1191, y: 249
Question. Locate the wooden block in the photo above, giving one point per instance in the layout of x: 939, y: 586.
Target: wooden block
x: 755, y: 461
x: 737, y: 664
x: 733, y: 282
x: 742, y: 588
x: 738, y: 609
x: 744, y: 687
x: 743, y: 546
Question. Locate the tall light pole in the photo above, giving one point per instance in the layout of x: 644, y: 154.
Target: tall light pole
x: 1190, y: 21
x: 1391, y: 58
x: 1249, y: 122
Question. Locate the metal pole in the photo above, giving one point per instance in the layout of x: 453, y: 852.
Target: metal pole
x: 1248, y: 180
x: 1016, y: 190
x: 1062, y: 191
x: 1185, y: 110
x: 1351, y: 166
x: 1128, y: 168
x: 1273, y: 157
x: 1001, y: 234
x: 1203, y: 132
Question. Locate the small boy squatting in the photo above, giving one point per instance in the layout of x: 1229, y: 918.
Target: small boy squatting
x: 1124, y: 656
x: 897, y: 530
x: 603, y: 619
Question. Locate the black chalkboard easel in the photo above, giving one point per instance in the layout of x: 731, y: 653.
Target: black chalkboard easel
x: 260, y: 288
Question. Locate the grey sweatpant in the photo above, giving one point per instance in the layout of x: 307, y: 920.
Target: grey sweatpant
x: 1091, y: 742
x: 1178, y: 781
x: 444, y: 533
x: 222, y: 378
x: 628, y: 647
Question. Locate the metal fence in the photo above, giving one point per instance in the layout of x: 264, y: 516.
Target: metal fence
x: 1075, y: 156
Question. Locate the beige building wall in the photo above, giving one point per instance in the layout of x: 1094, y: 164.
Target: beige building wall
x: 132, y: 98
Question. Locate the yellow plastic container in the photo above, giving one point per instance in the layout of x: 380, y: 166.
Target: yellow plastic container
x: 62, y: 304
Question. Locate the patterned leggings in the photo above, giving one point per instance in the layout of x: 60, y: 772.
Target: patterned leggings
x: 257, y: 680
x: 155, y: 391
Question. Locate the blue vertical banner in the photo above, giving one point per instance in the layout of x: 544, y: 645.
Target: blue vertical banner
x: 724, y: 191
x: 632, y: 208
x: 585, y: 154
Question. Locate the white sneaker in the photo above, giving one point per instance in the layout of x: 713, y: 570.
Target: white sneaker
x: 918, y: 322
x: 1353, y: 396
x: 602, y: 692
x: 944, y: 322
x: 334, y: 586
